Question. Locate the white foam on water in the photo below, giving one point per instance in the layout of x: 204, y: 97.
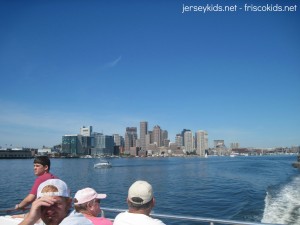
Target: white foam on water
x: 284, y: 206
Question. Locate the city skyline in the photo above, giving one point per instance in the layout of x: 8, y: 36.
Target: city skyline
x: 114, y: 64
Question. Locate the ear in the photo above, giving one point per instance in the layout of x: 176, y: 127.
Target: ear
x: 46, y: 167
x: 153, y: 202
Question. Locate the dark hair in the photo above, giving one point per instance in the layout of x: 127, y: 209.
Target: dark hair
x: 43, y: 160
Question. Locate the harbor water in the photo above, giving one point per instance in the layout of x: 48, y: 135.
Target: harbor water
x: 255, y: 188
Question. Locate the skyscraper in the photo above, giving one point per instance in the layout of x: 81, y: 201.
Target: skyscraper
x: 117, y: 139
x: 182, y: 135
x: 178, y: 140
x: 86, y: 131
x: 157, y: 135
x: 130, y: 138
x: 143, y: 133
x: 201, y: 139
x: 103, y: 144
x: 164, y: 136
x: 188, y: 141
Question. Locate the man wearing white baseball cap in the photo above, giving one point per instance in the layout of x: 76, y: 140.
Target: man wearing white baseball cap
x: 52, y: 204
x: 140, y: 203
x: 87, y: 208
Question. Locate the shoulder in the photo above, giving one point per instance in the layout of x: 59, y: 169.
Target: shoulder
x: 47, y: 176
x: 75, y: 218
x: 153, y: 221
x: 100, y: 220
x: 120, y: 218
x: 133, y: 218
x: 157, y: 222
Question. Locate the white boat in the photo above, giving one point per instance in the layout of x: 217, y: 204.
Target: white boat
x: 8, y: 220
x: 103, y: 164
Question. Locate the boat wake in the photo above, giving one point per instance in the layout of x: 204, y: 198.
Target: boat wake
x: 282, y: 204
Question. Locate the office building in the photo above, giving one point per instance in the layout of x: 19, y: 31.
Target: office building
x: 103, y: 145
x: 157, y: 136
x: 178, y: 140
x: 164, y: 136
x: 86, y: 131
x: 148, y: 139
x: 234, y: 145
x: 219, y: 144
x: 71, y: 145
x: 182, y: 135
x: 188, y: 141
x: 143, y: 133
x: 130, y: 138
x: 201, y: 141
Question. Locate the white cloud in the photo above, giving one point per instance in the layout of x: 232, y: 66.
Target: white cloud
x: 114, y: 63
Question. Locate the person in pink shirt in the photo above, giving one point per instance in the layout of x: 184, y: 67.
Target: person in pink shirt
x: 41, y: 168
x: 87, y: 208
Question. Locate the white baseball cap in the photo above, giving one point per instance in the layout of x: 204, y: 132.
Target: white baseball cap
x: 140, y: 192
x: 61, y: 186
x: 86, y: 195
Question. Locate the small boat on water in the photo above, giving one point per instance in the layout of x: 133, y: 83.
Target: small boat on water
x: 103, y: 164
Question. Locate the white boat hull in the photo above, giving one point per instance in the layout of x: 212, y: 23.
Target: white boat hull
x: 102, y: 165
x: 7, y: 220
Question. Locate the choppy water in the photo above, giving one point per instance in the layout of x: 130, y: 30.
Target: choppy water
x: 241, y: 188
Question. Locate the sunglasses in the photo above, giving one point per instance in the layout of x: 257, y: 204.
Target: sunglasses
x: 97, y: 200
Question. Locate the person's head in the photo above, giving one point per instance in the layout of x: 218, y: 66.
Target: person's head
x: 59, y: 190
x: 87, y: 201
x: 140, y: 197
x: 41, y: 165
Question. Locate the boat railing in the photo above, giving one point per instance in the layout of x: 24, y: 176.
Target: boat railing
x: 203, y: 220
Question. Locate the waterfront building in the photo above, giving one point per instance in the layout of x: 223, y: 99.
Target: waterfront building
x: 86, y: 144
x: 219, y: 146
x: 164, y: 136
x: 138, y: 143
x: 71, y: 145
x: 143, y: 133
x: 130, y: 138
x: 44, y: 151
x: 234, y: 145
x: 103, y: 144
x: 178, y: 140
x: 86, y: 131
x: 188, y: 141
x: 173, y: 146
x: 118, y: 144
x: 148, y: 139
x: 182, y: 135
x: 166, y: 143
x: 219, y: 143
x: 17, y: 154
x: 157, y: 135
x: 133, y: 151
x: 201, y: 141
x: 117, y: 139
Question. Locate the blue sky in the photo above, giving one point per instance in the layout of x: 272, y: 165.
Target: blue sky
x: 112, y: 64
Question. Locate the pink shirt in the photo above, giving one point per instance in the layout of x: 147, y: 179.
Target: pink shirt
x: 98, y: 220
x: 39, y: 180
